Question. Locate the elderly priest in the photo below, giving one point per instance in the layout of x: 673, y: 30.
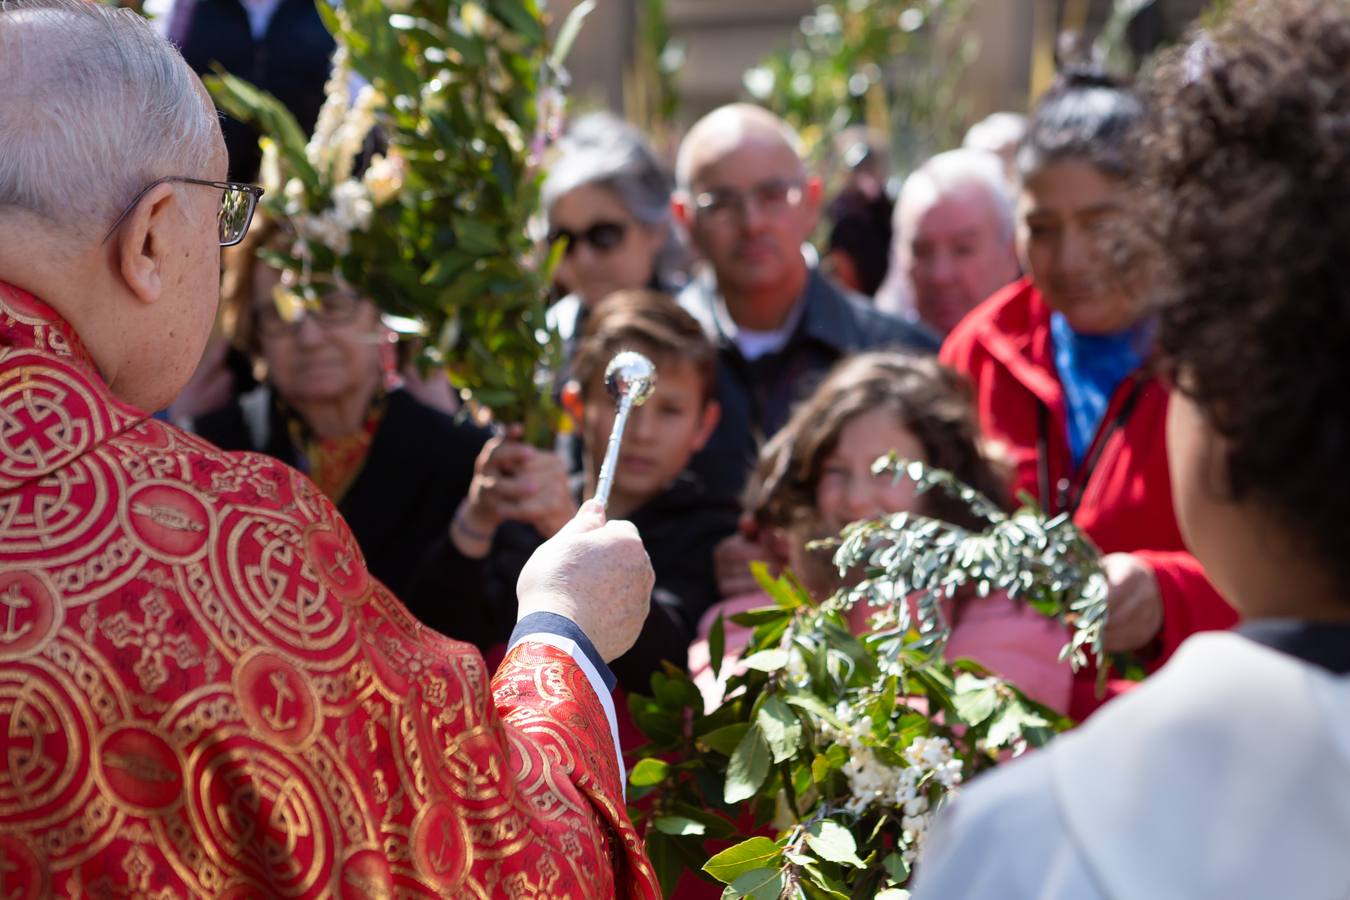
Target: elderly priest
x: 202, y: 690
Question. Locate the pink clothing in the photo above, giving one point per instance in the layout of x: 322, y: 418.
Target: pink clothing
x: 1009, y: 639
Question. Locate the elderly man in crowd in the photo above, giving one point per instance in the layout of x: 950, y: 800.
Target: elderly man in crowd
x: 745, y: 198
x: 954, y: 239
x: 203, y: 691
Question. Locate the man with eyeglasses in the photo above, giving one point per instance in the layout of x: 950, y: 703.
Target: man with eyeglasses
x: 203, y: 691
x: 743, y: 194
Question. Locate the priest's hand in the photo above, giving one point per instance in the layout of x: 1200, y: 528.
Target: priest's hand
x: 1133, y: 602
x: 595, y: 573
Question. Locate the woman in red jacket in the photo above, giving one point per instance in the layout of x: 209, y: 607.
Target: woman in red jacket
x: 1061, y: 367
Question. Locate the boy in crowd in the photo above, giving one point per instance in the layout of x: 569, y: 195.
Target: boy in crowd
x: 521, y: 495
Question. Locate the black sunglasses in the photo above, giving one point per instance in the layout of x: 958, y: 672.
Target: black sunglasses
x: 237, y: 204
x: 602, y: 236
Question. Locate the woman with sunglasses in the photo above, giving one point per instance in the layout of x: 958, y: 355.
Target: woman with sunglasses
x: 608, y: 199
x: 329, y: 405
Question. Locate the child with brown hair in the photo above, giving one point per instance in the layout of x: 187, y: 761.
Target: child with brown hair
x: 521, y: 495
x: 815, y: 477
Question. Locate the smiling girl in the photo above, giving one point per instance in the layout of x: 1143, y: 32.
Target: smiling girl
x: 815, y: 477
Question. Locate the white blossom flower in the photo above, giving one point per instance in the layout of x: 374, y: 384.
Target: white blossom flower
x: 331, y: 115
x: 350, y: 137
x: 928, y: 753
x: 294, y: 192
x: 473, y: 18
x: 352, y: 206
x: 326, y: 230
x: 269, y: 170
x: 384, y: 178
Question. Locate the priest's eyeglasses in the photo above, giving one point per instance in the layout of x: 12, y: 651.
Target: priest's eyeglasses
x: 237, y: 204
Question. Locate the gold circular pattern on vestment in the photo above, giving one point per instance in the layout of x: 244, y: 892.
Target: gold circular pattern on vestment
x: 140, y: 769
x: 149, y: 434
x: 167, y: 521
x: 46, y: 421
x: 59, y: 512
x: 45, y: 743
x: 276, y: 700
x: 30, y: 614
x: 256, y: 812
x: 280, y: 598
x: 243, y: 891
x: 22, y: 875
x: 338, y: 563
x: 365, y: 875
x: 441, y: 846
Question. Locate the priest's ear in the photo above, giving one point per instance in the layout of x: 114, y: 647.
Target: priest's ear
x: 144, y: 240
x: 572, y: 403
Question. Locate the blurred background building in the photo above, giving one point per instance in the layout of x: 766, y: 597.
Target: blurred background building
x: 703, y: 49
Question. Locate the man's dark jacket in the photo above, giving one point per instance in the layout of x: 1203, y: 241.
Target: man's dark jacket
x: 758, y: 396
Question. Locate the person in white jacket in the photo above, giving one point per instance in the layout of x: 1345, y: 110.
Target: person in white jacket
x: 1228, y: 773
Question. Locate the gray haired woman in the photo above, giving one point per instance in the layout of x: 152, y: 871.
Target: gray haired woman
x: 609, y: 198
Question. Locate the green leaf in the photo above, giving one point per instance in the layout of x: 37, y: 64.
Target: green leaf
x: 896, y: 867
x: 975, y: 699
x: 661, y: 850
x: 753, y: 618
x: 475, y: 237
x: 714, y: 825
x: 766, y: 660
x: 656, y: 722
x: 815, y: 707
x: 801, y: 778
x: 567, y: 34
x: 748, y: 768
x: 726, y: 739
x: 717, y: 645
x: 833, y: 842
x: 732, y: 863
x: 781, y: 728
x: 679, y: 826
x: 675, y: 691
x: 648, y: 772
x: 515, y: 15
x: 821, y: 768
x: 757, y: 884
x: 785, y: 590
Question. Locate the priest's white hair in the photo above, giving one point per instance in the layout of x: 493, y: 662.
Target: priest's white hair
x: 95, y: 106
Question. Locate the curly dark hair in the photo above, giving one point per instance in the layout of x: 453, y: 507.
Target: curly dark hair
x: 1246, y: 189
x: 929, y: 400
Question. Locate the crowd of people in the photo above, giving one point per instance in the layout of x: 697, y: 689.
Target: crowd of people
x: 1070, y: 305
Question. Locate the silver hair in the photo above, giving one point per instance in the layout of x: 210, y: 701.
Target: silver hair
x: 996, y: 131
x: 952, y: 170
x: 602, y: 150
x: 95, y: 106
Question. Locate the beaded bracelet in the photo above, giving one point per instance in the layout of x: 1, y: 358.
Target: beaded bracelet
x: 467, y: 529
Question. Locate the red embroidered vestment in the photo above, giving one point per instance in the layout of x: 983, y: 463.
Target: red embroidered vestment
x: 203, y: 691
